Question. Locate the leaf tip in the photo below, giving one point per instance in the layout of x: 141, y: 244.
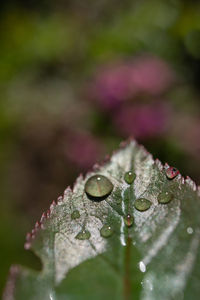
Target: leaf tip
x: 59, y: 199
x: 52, y: 206
x: 67, y: 190
x: 191, y: 183
x: 43, y: 217
x: 28, y: 237
x: 96, y: 167
x: 48, y: 213
x: 159, y: 164
x: 27, y: 246
x: 125, y: 143
x: 37, y: 225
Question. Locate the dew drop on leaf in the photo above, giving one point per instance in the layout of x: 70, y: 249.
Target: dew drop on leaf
x: 129, y: 177
x: 75, y: 215
x: 171, y: 172
x: 83, y: 235
x: 165, y: 197
x: 106, y: 231
x: 128, y: 220
x: 142, y: 204
x: 98, y: 186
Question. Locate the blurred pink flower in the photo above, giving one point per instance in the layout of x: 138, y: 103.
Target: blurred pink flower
x: 151, y: 75
x: 115, y: 84
x: 112, y: 86
x: 142, y: 121
x: 83, y: 149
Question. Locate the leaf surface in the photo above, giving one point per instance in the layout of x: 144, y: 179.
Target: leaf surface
x: 156, y: 258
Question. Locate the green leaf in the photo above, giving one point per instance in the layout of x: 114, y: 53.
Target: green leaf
x: 104, y: 247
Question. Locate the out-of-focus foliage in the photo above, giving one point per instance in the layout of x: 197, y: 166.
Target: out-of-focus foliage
x: 76, y: 77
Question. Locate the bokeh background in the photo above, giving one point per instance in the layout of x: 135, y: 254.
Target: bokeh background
x: 76, y: 78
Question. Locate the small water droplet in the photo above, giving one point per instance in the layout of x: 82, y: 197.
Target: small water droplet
x: 190, y: 230
x: 171, y: 172
x: 75, y: 215
x: 106, y: 231
x: 128, y: 220
x: 165, y: 197
x: 129, y: 177
x: 142, y: 267
x: 98, y: 186
x: 83, y: 235
x: 142, y: 204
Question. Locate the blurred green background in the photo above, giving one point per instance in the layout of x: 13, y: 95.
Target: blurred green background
x: 76, y: 78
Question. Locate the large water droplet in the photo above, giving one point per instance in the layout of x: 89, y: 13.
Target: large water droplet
x: 83, y: 235
x: 75, y: 215
x: 106, y: 231
x: 171, y: 172
x: 128, y: 220
x: 165, y: 197
x: 142, y: 204
x: 98, y: 186
x: 129, y: 177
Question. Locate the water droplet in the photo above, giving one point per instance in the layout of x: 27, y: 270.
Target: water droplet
x: 75, y: 215
x: 171, y: 172
x: 83, y: 235
x: 142, y: 204
x: 98, y: 186
x: 190, y: 230
x: 128, y: 220
x: 129, y: 177
x: 142, y: 266
x: 165, y: 197
x: 106, y: 231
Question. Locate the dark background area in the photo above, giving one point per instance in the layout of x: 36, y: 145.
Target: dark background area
x: 77, y: 78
